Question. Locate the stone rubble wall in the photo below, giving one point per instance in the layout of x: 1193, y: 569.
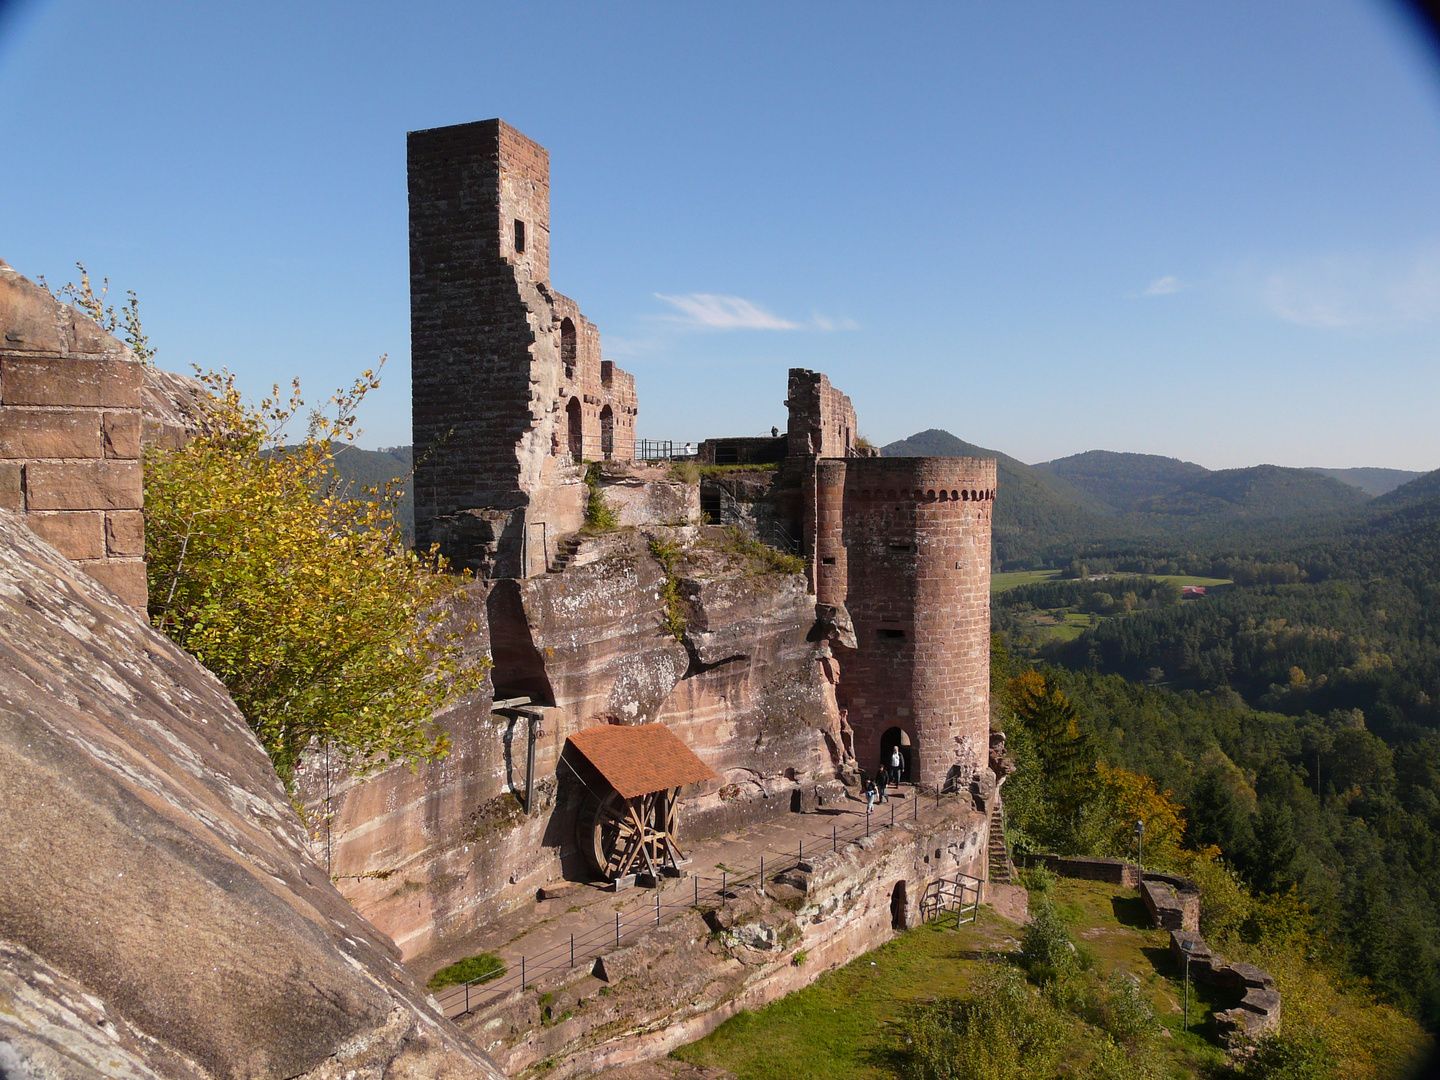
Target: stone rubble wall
x: 70, y: 435
x: 1174, y: 905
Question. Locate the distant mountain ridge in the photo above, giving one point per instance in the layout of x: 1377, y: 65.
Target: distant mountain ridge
x: 1105, y: 497
x: 1372, y: 481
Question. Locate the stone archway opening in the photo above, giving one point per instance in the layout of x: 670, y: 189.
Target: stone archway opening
x: 575, y: 440
x: 607, y: 432
x: 898, y: 737
x: 899, y: 907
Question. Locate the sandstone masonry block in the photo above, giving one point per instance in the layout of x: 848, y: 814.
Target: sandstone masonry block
x: 122, y: 435
x: 50, y: 433
x: 123, y: 577
x: 84, y: 485
x: 12, y: 485
x: 69, y: 381
x: 74, y: 535
x: 125, y: 532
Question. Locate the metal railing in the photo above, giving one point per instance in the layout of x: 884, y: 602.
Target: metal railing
x: 665, y: 450
x: 705, y: 891
x: 960, y: 894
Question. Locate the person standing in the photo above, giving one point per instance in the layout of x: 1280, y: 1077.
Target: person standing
x: 868, y: 787
x: 880, y: 783
x: 896, y: 764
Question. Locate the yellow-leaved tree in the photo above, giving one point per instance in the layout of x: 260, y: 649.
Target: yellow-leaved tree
x: 301, y: 597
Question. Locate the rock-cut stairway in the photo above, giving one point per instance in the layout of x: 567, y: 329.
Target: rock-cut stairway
x: 1001, y: 868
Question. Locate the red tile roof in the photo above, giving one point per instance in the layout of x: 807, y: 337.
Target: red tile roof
x: 641, y: 759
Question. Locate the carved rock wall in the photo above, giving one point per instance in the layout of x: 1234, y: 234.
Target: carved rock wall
x: 432, y: 853
x: 160, y: 912
x: 685, y: 978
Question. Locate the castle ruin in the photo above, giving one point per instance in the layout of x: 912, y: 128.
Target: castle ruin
x: 510, y: 393
x: 511, y: 396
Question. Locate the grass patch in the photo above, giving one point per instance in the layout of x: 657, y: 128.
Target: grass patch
x: 599, y: 515
x: 480, y: 968
x: 1002, y: 582
x: 677, y: 618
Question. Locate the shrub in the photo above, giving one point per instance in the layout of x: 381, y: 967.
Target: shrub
x: 303, y: 600
x: 1288, y: 1057
x: 1046, y: 949
x: 1039, y: 878
x: 686, y: 472
x: 1123, y: 1012
x: 1003, y: 1031
x: 599, y: 515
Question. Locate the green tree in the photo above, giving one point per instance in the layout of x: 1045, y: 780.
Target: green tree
x: 306, y: 603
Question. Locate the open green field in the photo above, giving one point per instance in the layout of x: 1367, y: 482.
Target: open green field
x: 1004, y: 582
x: 847, y: 1023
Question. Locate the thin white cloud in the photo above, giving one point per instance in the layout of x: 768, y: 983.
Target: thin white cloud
x: 821, y: 322
x: 707, y: 311
x: 1350, y: 291
x: 710, y: 312
x: 1165, y: 286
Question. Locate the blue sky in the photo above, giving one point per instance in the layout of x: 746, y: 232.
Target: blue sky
x: 1208, y: 230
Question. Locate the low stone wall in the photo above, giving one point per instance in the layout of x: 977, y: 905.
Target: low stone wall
x: 686, y: 977
x: 1173, y: 902
x: 1115, y: 871
x: 1174, y: 905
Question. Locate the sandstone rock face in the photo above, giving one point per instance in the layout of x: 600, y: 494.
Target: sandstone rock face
x: 160, y: 914
x: 686, y: 977
x: 172, y: 407
x: 430, y: 854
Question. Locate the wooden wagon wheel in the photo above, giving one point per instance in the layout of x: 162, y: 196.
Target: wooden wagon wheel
x: 607, y: 834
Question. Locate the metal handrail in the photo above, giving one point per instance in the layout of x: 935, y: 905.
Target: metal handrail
x: 593, y: 944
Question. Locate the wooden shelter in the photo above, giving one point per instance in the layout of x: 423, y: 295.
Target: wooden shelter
x: 628, y: 822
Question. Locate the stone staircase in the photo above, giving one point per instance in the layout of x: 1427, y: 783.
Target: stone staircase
x: 565, y: 552
x: 1002, y: 870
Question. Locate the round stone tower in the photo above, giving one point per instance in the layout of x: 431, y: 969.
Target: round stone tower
x: 913, y: 566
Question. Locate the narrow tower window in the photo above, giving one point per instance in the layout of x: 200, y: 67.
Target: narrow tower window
x: 519, y: 237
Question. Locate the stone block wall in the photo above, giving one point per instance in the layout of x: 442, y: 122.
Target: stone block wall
x: 70, y: 421
x: 822, y: 419
x: 916, y: 544
x: 1115, y: 871
x: 509, y: 389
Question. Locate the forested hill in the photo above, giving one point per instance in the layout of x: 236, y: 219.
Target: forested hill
x: 1033, y: 510
x: 1047, y: 513
x: 1371, y: 481
x: 1123, y: 481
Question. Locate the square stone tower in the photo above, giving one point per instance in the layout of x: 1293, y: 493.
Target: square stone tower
x: 510, y: 394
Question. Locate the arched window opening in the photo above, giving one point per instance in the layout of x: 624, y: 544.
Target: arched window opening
x: 575, y: 439
x: 567, y: 347
x: 607, y: 432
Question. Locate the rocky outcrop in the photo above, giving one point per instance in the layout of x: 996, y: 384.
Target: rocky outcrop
x: 432, y: 853
x: 173, y: 407
x: 160, y: 913
x: 1257, y: 1014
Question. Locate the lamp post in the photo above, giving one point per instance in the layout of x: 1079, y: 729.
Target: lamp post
x: 1185, y: 946
x: 1140, y: 843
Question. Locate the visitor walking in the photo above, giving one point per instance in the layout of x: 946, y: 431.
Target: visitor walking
x: 896, y: 764
x: 868, y: 787
x: 880, y: 784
